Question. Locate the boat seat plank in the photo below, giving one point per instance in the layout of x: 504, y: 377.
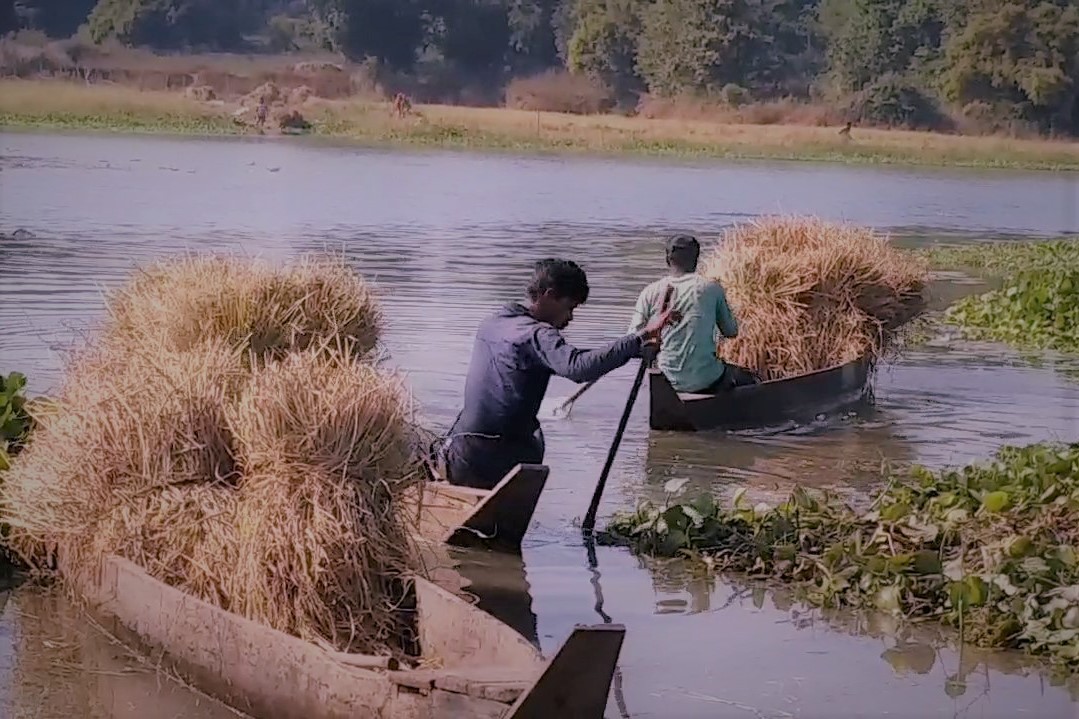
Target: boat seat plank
x: 465, y: 494
x: 496, y: 683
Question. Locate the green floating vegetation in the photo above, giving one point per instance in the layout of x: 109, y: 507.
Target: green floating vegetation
x: 1007, y: 258
x: 1037, y: 309
x: 1037, y: 306
x: 15, y: 421
x: 990, y: 549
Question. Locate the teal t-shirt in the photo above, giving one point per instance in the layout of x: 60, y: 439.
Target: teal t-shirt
x: 688, y: 348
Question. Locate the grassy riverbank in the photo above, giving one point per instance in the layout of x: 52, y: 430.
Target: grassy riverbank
x: 47, y: 104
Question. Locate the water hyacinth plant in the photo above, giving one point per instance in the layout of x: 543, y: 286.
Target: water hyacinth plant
x: 15, y: 421
x: 1037, y: 306
x: 991, y: 549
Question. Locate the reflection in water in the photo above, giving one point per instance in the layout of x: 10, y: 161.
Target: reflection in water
x: 497, y: 581
x: 918, y: 649
x: 593, y: 568
x: 847, y: 455
x: 55, y: 661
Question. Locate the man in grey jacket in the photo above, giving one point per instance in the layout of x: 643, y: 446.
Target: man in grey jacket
x: 516, y: 351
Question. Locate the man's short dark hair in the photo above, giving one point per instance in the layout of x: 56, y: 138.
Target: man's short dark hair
x: 683, y: 252
x: 564, y: 278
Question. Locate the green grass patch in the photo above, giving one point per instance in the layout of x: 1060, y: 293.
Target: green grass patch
x: 364, y: 127
x: 991, y: 549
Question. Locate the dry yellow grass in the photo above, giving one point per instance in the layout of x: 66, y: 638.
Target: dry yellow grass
x: 809, y: 294
x: 270, y: 483
x: 258, y: 308
x: 57, y: 104
x: 57, y: 98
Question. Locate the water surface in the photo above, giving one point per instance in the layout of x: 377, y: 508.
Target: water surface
x: 447, y: 237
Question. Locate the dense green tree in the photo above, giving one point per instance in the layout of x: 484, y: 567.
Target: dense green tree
x: 173, y: 23
x: 532, y: 42
x: 391, y: 31
x: 701, y: 45
x: 603, y: 43
x: 9, y: 20
x: 868, y: 39
x: 475, y: 34
x: 1020, y: 57
x: 56, y: 18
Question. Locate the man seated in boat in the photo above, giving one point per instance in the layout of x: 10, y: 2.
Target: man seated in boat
x: 687, y: 355
x: 516, y: 351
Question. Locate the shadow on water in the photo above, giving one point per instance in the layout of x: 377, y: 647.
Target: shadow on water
x: 499, y: 585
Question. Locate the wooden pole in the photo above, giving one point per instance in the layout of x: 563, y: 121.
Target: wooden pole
x: 589, y: 522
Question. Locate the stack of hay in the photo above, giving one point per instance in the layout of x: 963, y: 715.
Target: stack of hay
x: 809, y: 294
x: 228, y: 433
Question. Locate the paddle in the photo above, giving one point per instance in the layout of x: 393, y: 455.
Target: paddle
x: 565, y: 406
x: 648, y: 354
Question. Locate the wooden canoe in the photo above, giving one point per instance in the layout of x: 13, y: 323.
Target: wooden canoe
x: 494, y: 519
x: 485, y: 669
x: 761, y: 405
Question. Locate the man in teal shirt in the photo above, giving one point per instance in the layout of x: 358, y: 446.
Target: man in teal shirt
x: 688, y: 350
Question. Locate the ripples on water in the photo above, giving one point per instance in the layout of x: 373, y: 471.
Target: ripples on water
x: 449, y: 237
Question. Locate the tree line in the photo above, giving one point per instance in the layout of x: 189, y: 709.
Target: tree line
x: 914, y: 63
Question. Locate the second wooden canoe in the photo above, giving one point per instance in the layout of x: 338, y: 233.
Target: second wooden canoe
x: 480, y: 667
x: 760, y: 405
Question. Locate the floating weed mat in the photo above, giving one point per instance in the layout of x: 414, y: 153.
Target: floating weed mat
x: 1005, y: 258
x: 809, y: 294
x: 1037, y: 306
x: 991, y: 549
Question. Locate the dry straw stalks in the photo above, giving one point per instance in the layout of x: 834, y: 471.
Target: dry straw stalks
x: 226, y: 432
x: 809, y: 294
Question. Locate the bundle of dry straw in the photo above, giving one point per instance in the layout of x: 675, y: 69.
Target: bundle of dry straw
x: 808, y: 294
x: 225, y: 433
x: 264, y: 310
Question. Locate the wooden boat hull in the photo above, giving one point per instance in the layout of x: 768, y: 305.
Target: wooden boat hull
x: 488, y: 670
x: 761, y: 405
x: 494, y: 519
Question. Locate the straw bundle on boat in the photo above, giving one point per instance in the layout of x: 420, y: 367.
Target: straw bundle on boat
x: 809, y: 294
x: 264, y: 310
x: 263, y: 475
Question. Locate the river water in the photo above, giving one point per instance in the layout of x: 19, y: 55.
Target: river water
x: 447, y: 237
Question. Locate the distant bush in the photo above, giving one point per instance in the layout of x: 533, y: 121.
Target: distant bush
x: 893, y: 101
x: 786, y: 111
x: 734, y: 95
x: 556, y: 91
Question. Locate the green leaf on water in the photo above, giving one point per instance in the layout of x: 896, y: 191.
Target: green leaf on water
x: 996, y: 502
